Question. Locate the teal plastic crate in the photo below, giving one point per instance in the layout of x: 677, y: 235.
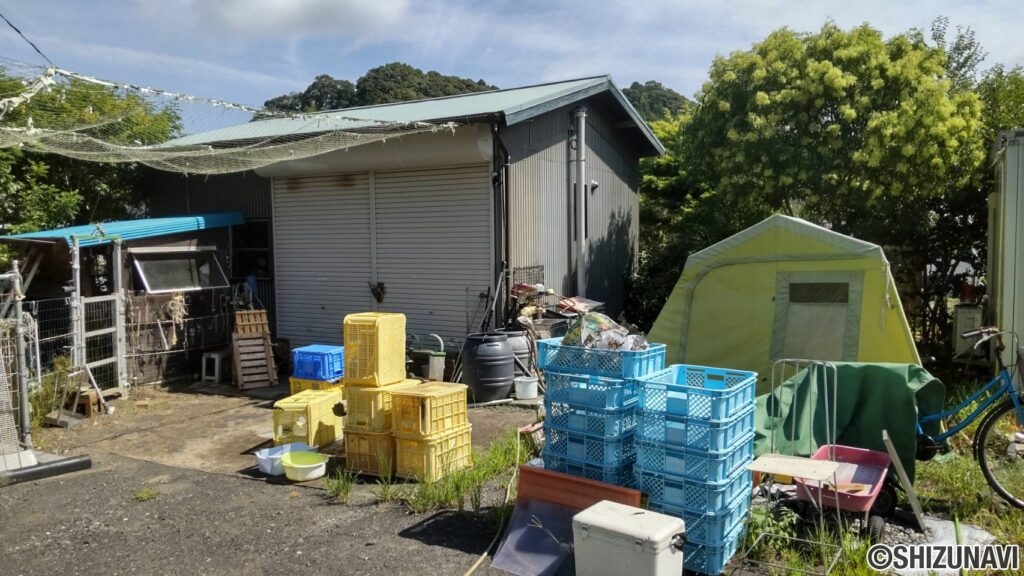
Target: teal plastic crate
x: 596, y: 450
x: 595, y: 422
x: 698, y: 391
x: 695, y: 464
x: 694, y: 433
x: 712, y: 497
x: 591, y: 391
x: 707, y: 529
x: 617, y: 475
x: 704, y: 559
x: 552, y: 355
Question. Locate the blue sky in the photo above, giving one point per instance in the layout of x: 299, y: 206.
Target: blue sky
x: 247, y: 51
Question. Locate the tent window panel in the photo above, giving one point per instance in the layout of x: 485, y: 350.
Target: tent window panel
x: 815, y: 331
x: 179, y: 271
x: 819, y: 292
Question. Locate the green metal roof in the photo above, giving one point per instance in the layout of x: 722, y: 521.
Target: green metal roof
x: 96, y: 234
x: 514, y: 104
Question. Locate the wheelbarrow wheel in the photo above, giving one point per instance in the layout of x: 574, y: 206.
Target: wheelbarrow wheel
x: 885, y: 501
x: 876, y: 529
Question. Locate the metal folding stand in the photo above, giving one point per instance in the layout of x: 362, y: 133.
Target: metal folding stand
x: 774, y: 463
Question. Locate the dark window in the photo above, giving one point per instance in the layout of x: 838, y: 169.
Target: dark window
x: 820, y: 293
x: 250, y: 250
x: 179, y: 271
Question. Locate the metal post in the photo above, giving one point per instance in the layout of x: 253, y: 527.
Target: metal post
x: 120, y: 348
x: 22, y: 361
x: 77, y: 326
x: 581, y: 201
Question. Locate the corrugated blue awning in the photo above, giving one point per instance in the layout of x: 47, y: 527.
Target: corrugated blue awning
x: 124, y: 230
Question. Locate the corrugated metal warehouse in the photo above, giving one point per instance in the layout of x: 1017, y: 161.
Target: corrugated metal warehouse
x: 428, y: 221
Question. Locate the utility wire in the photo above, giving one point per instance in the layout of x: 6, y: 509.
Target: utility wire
x: 34, y: 47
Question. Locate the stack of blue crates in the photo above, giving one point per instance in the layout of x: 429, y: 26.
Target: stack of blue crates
x: 694, y: 441
x: 590, y: 404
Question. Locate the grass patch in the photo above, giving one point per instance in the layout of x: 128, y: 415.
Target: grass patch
x: 466, y: 486
x: 146, y: 494
x: 387, y: 490
x: 340, y: 483
x: 49, y: 395
x: 950, y: 486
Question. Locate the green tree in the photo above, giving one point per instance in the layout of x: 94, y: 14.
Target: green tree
x: 398, y: 82
x: 325, y: 93
x: 653, y: 101
x: 395, y: 82
x: 845, y: 128
x: 40, y: 190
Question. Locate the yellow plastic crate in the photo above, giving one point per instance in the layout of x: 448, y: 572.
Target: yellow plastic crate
x: 308, y: 417
x: 429, y: 410
x: 370, y: 453
x: 430, y: 459
x: 300, y: 384
x: 374, y: 348
x: 369, y: 407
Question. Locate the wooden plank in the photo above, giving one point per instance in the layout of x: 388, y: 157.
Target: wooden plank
x: 795, y: 466
x: 904, y: 480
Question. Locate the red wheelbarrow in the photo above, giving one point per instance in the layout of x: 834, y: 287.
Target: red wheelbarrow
x: 858, y: 481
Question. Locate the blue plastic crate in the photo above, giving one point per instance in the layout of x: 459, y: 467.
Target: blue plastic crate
x: 698, y: 391
x: 552, y: 355
x: 704, y: 559
x: 591, y: 391
x: 694, y: 433
x: 617, y: 475
x: 708, y: 529
x: 318, y: 362
x: 607, y: 423
x: 712, y: 497
x: 695, y: 464
x: 596, y: 450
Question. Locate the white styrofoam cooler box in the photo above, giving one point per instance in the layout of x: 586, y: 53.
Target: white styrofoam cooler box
x: 614, y: 539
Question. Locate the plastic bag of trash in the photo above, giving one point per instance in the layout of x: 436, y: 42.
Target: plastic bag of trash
x: 595, y: 330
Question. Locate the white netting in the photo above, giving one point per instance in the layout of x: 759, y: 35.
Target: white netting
x: 61, y: 112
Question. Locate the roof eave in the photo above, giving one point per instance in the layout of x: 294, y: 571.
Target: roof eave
x: 536, y: 109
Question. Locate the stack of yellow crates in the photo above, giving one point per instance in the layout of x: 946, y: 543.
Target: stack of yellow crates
x: 432, y: 430
x: 374, y: 372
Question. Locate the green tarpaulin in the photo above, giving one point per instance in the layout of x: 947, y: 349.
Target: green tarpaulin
x: 869, y: 398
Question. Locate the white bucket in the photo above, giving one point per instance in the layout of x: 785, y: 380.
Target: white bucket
x: 526, y: 387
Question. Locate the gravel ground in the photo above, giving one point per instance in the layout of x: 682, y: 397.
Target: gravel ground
x: 212, y: 513
x: 91, y: 522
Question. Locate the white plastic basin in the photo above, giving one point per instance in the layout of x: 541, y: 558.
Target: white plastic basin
x: 268, y: 460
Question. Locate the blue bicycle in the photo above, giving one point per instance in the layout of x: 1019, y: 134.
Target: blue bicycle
x: 999, y: 441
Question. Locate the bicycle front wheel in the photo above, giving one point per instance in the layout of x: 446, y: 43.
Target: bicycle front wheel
x: 1000, y: 451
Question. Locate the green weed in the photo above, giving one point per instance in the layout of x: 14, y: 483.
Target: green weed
x: 340, y: 484
x: 146, y: 494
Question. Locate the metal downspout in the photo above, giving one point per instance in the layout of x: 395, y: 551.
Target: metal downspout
x: 581, y: 201
x: 502, y: 165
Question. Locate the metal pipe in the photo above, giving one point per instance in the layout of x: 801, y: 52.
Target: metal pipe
x: 581, y: 201
x: 77, y: 356
x: 19, y: 336
x: 45, y: 470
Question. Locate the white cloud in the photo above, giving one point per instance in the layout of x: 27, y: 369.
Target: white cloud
x: 301, y: 18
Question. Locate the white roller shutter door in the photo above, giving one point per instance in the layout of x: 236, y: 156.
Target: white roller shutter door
x: 322, y: 255
x: 433, y: 250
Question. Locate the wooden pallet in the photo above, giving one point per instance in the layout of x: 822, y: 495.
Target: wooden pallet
x: 254, y: 361
x: 251, y: 322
